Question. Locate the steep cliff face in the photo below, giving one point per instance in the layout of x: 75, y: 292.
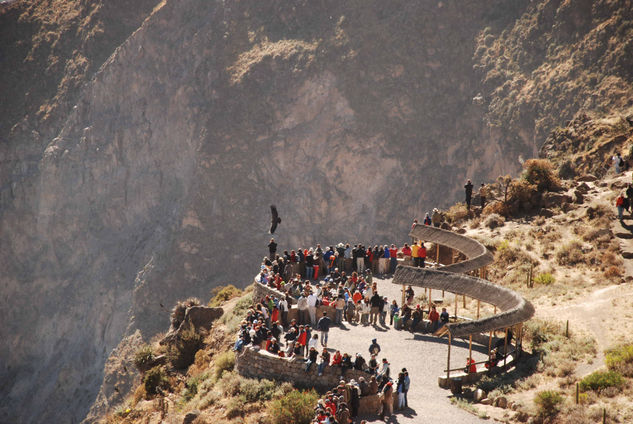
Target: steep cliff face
x: 353, y: 117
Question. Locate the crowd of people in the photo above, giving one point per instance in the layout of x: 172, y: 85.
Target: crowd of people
x: 340, y: 405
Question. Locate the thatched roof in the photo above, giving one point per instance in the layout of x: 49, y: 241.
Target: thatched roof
x: 513, y: 308
x: 477, y: 254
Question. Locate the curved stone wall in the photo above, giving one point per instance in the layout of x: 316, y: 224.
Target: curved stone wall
x: 257, y: 363
x: 514, y: 309
x: 477, y: 254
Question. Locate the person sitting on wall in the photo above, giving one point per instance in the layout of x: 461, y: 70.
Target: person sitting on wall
x: 325, y: 361
x: 373, y: 365
x: 359, y: 363
x: 273, y: 347
x: 346, y: 363
x: 312, y: 358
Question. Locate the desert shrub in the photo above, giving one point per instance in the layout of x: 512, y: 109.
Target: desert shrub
x: 191, y: 388
x: 540, y: 332
x: 548, y: 403
x: 155, y: 380
x: 521, y: 194
x: 143, y: 358
x: 566, y: 170
x: 570, y: 254
x: 258, y: 390
x: 457, y: 214
x: 222, y: 294
x: 296, y: 407
x: 235, y: 407
x: 601, y: 380
x: 224, y: 362
x: 493, y: 221
x: 613, y: 272
x: 620, y: 359
x: 545, y: 279
x: 182, y: 352
x: 178, y: 313
x: 540, y: 173
x: 230, y: 384
x: 496, y: 208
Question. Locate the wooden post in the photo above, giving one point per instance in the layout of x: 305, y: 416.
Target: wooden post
x: 604, y: 415
x: 403, y: 298
x: 437, y: 259
x: 490, y: 346
x: 567, y: 329
x: 470, y: 349
x: 448, y: 359
x: 495, y: 313
x: 464, y: 301
x: 519, y: 343
x: 505, y: 348
x: 455, y: 306
x: 430, y: 299
x: 478, y: 307
x: 577, y: 393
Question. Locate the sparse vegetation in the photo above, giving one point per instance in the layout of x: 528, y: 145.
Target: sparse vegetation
x: 540, y: 173
x: 545, y: 279
x: 224, y: 362
x: 296, y: 407
x: 143, y: 358
x: 222, y: 294
x: 601, y: 380
x: 570, y: 254
x: 548, y: 402
x: 620, y: 359
x: 155, y: 380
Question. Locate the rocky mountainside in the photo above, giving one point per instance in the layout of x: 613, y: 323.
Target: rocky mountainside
x: 141, y: 147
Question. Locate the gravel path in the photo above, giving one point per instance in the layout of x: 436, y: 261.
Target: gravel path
x: 423, y: 355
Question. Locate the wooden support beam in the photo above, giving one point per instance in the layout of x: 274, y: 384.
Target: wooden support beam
x: 448, y: 358
x: 505, y: 348
x: 456, y: 300
x: 478, y: 307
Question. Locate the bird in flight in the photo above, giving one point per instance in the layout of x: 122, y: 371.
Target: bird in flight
x: 275, y: 218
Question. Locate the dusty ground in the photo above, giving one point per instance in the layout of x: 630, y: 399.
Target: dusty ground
x: 423, y: 355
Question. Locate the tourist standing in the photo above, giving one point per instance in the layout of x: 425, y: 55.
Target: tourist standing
x: 468, y: 189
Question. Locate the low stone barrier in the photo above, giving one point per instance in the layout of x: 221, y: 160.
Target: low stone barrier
x: 257, y: 363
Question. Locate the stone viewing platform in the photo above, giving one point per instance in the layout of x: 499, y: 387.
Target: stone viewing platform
x: 428, y: 357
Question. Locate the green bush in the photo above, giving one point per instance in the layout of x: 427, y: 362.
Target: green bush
x: 222, y: 294
x: 548, y: 403
x: 601, y: 380
x: 191, y: 388
x: 258, y: 390
x: 143, y: 358
x: 235, y: 407
x: 620, y: 359
x: 295, y: 407
x: 545, y: 279
x: 540, y: 173
x: 154, y: 380
x: 224, y: 362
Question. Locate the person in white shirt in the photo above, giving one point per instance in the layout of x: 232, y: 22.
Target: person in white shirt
x: 312, y: 305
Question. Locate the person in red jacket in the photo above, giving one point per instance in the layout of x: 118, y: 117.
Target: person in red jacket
x: 393, y: 258
x: 422, y: 254
x: 434, y: 317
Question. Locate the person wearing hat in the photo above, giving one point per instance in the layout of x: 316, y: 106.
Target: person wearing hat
x: 374, y: 347
x: 383, y: 374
